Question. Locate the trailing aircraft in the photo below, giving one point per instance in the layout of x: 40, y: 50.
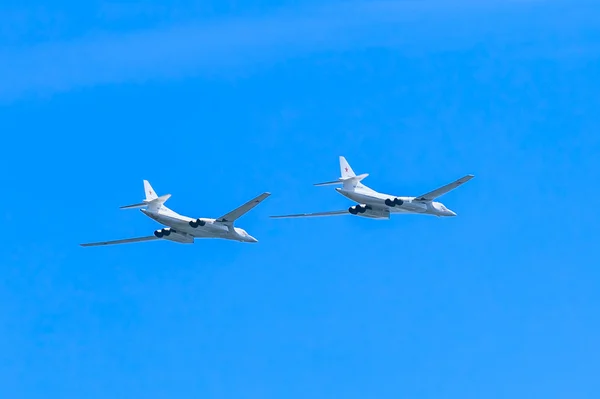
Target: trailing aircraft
x: 183, y: 229
x: 375, y: 205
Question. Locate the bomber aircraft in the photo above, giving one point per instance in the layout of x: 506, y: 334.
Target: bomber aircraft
x: 183, y: 229
x: 375, y: 205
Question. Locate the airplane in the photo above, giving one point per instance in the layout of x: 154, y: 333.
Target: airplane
x: 375, y: 205
x: 183, y: 229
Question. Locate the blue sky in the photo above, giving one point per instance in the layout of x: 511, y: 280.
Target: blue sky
x: 216, y: 102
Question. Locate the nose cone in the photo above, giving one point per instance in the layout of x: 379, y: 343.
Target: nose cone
x: 452, y: 213
x: 252, y: 239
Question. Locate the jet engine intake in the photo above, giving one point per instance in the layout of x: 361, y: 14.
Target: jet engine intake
x: 369, y: 212
x: 162, y: 233
x: 356, y: 209
x: 169, y: 234
x: 198, y: 222
x: 393, y: 202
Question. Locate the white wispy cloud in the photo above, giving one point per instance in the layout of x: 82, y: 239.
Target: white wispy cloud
x: 192, y: 48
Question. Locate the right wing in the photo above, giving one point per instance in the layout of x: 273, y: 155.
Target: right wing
x: 124, y: 241
x: 430, y: 196
x: 312, y: 215
x: 240, y: 211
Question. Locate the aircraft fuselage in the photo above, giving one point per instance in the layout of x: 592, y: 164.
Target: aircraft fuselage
x: 209, y: 228
x: 408, y: 205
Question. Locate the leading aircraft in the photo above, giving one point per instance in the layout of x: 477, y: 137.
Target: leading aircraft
x: 375, y: 205
x: 183, y: 229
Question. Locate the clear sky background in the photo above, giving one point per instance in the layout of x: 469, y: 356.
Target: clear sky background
x: 215, y: 102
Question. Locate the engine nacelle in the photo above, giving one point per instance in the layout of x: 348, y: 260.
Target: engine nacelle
x: 172, y: 235
x: 197, y: 222
x: 369, y: 212
x: 408, y: 205
x: 394, y: 202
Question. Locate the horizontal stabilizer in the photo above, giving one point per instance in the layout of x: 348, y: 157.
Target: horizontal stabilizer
x: 342, y: 180
x: 154, y: 202
x: 132, y: 206
x: 330, y: 183
x: 313, y: 215
x: 160, y: 200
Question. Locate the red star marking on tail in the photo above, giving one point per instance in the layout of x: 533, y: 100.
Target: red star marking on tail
x: 346, y: 168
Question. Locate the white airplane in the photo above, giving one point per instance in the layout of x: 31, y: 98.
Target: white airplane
x: 375, y: 205
x: 183, y: 229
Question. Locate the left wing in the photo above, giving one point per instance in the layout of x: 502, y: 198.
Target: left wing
x: 430, y: 196
x: 312, y: 215
x: 124, y: 241
x: 242, y: 210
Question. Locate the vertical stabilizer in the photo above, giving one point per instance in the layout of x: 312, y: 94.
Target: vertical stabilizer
x: 348, y: 178
x: 152, y: 201
x: 345, y: 169
x: 150, y: 193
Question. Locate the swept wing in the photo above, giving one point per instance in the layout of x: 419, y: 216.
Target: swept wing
x: 312, y: 215
x: 430, y: 196
x: 242, y: 210
x: 123, y: 241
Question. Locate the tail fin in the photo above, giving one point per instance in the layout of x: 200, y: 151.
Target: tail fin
x: 152, y: 200
x: 150, y: 193
x: 348, y: 177
x: 345, y: 169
